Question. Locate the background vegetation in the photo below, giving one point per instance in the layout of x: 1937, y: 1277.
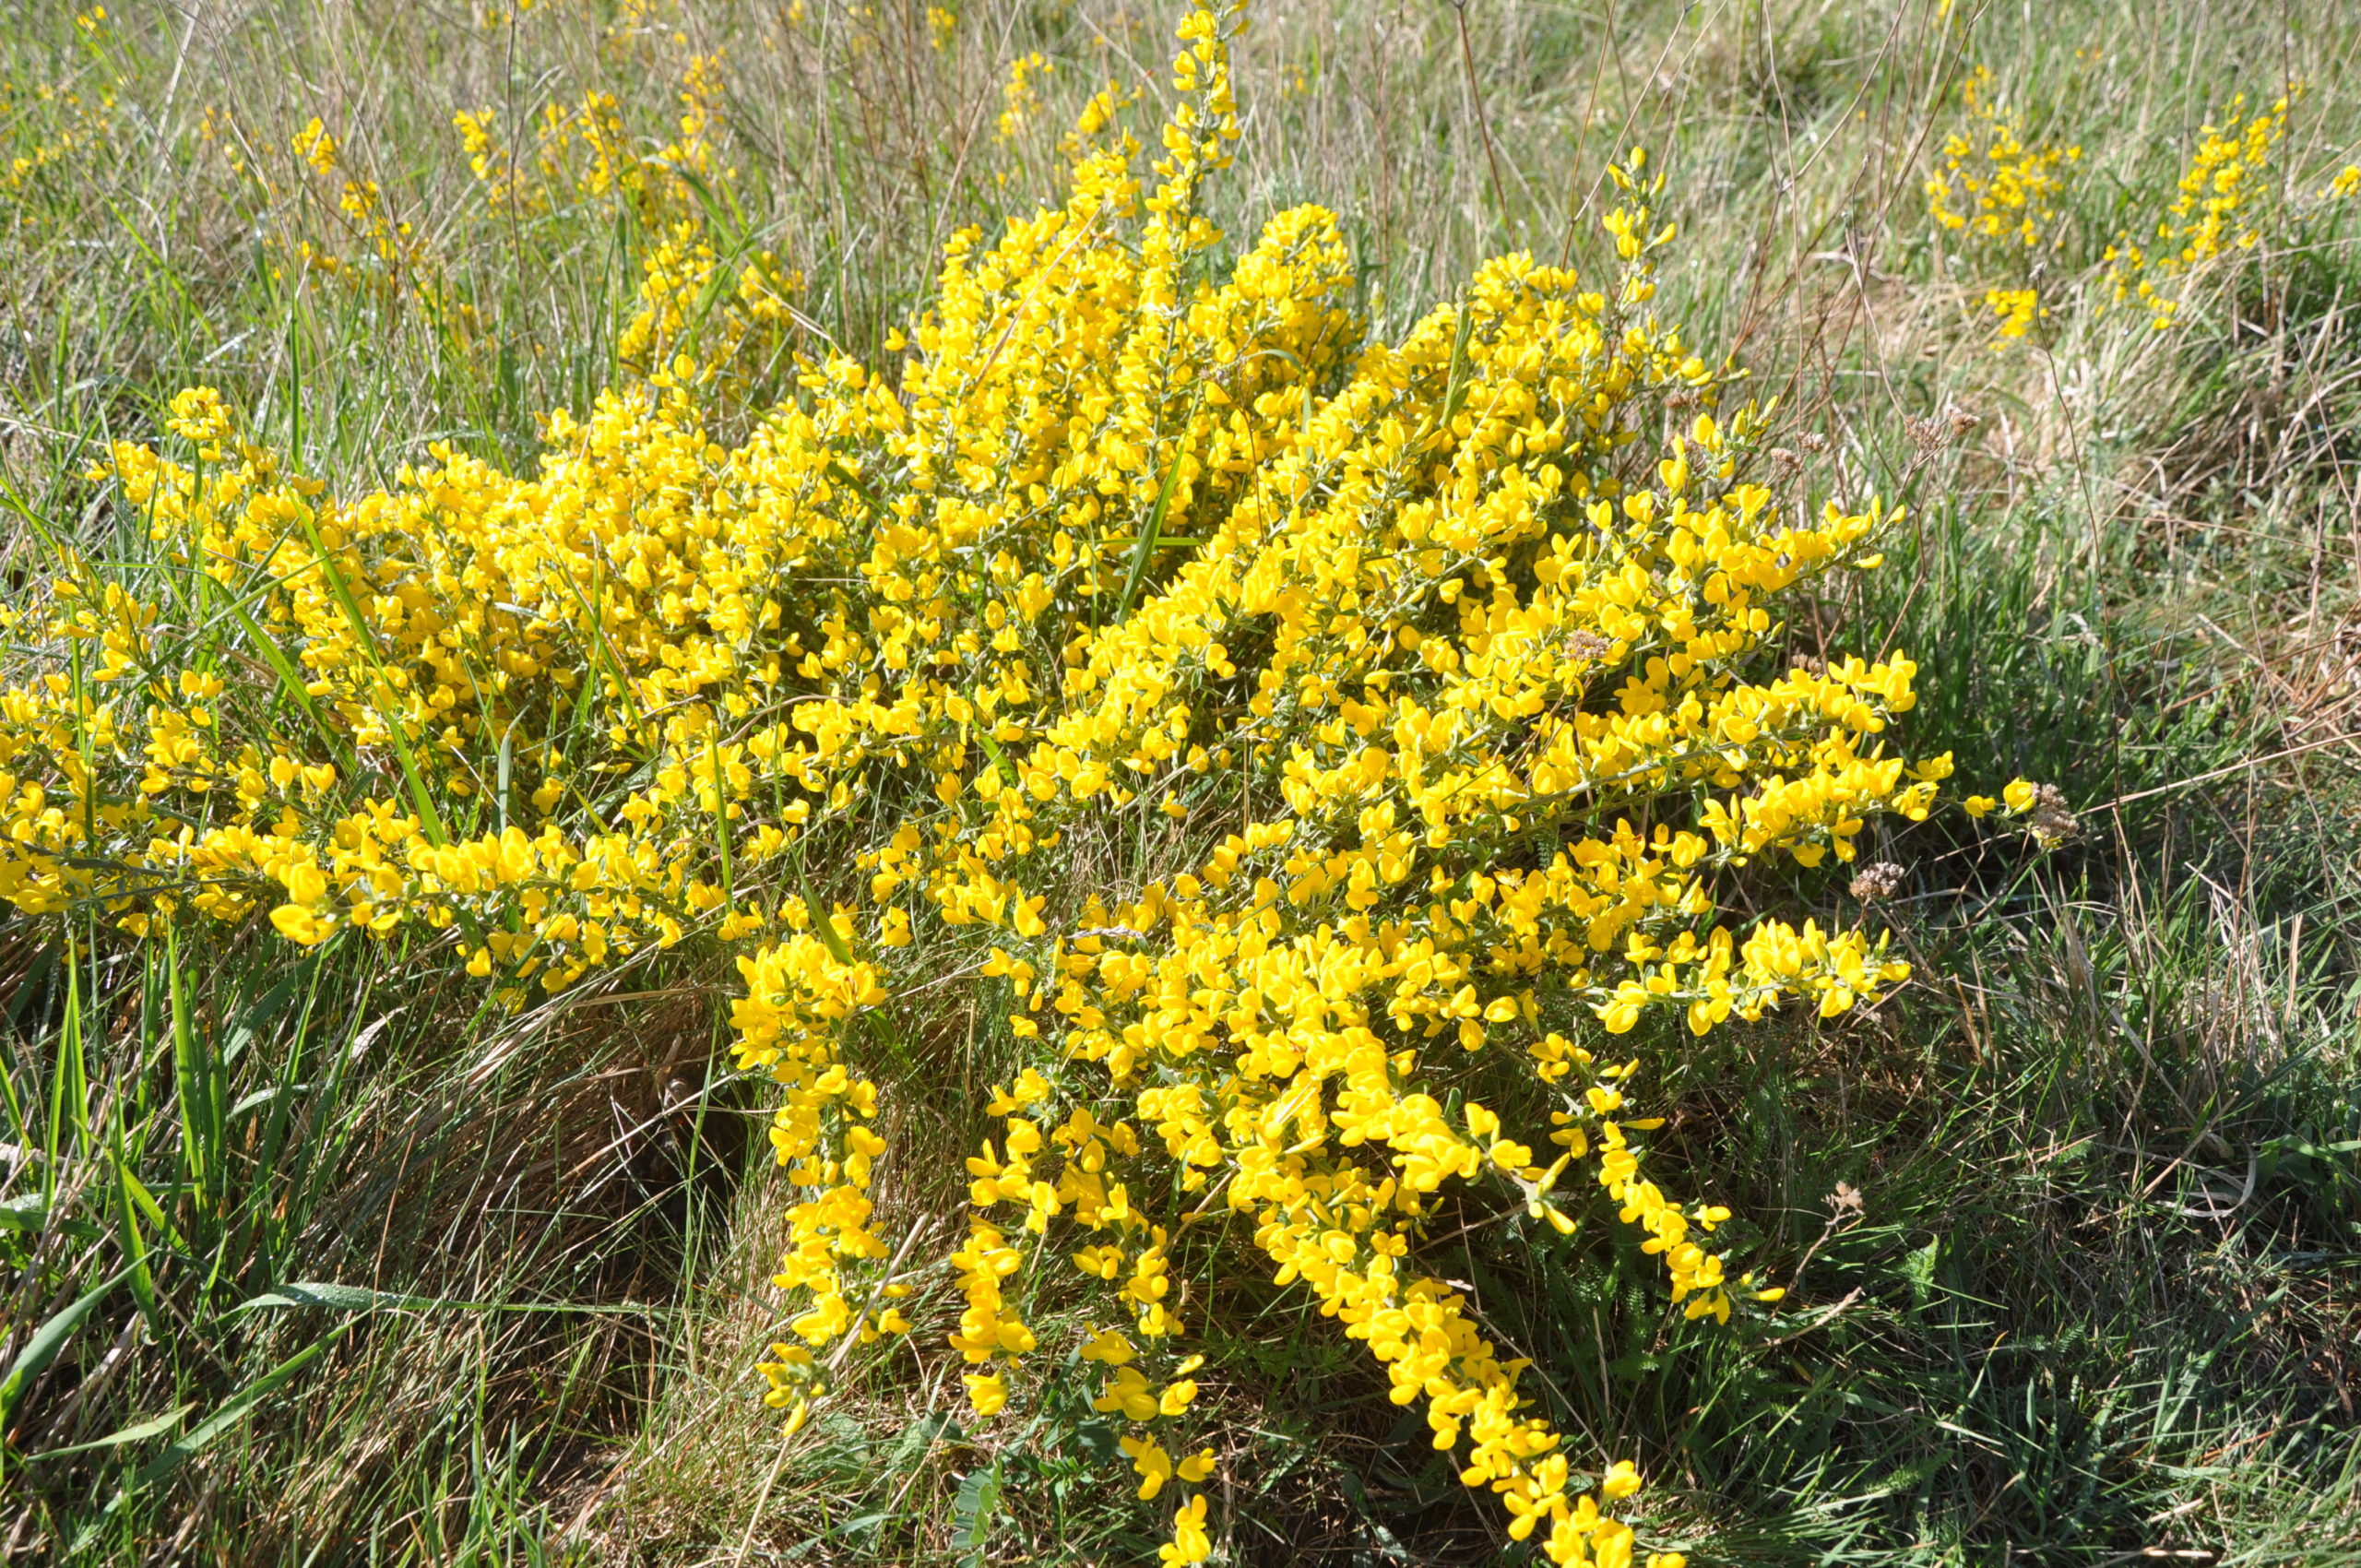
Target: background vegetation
x: 2071, y: 1226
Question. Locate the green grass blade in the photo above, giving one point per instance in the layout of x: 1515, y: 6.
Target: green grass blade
x: 237, y: 1409
x: 133, y: 1245
x: 291, y: 681
x: 428, y: 818
x: 1143, y: 550
x: 139, y: 1433
x: 46, y: 1342
x: 202, y: 1116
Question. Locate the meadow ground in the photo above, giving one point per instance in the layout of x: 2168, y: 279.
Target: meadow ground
x: 322, y: 1252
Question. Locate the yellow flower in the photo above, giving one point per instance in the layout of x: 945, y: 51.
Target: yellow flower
x: 2017, y: 309
x: 2229, y: 197
x: 1108, y: 1347
x: 1189, y: 1542
x: 1994, y: 188
x: 1153, y: 1464
x: 299, y: 925
x: 988, y: 1394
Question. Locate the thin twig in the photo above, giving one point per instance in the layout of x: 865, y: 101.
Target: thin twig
x: 2226, y: 772
x: 1483, y: 127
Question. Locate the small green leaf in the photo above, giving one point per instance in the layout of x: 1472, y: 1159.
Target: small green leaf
x: 975, y: 1508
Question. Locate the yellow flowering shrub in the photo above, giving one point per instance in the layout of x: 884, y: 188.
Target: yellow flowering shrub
x: 1445, y: 672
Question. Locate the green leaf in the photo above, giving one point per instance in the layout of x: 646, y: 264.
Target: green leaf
x: 1918, y: 1270
x: 233, y: 1412
x: 202, y: 1120
x: 154, y: 1426
x: 258, y: 1098
x: 135, y: 1247
x: 340, y: 1298
x: 921, y: 1435
x: 1097, y: 1439
x: 291, y: 681
x: 42, y: 1348
x: 823, y: 924
x: 1000, y: 758
x: 975, y: 1508
x: 1145, y: 548
x: 29, y: 1213
x: 360, y: 1299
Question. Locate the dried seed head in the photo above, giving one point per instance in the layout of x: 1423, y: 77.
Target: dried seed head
x: 1880, y: 881
x: 2050, y: 822
x: 1934, y: 433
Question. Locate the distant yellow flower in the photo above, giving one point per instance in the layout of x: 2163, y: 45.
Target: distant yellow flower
x: 2017, y: 309
x: 2226, y: 201
x: 1993, y: 185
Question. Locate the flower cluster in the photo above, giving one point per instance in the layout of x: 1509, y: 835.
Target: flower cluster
x: 1020, y: 95
x: 1441, y: 677
x: 398, y: 259
x: 1997, y: 193
x: 2227, y: 201
x: 2043, y: 807
x: 2016, y: 310
x: 582, y: 152
x: 67, y: 123
x: 1994, y: 186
